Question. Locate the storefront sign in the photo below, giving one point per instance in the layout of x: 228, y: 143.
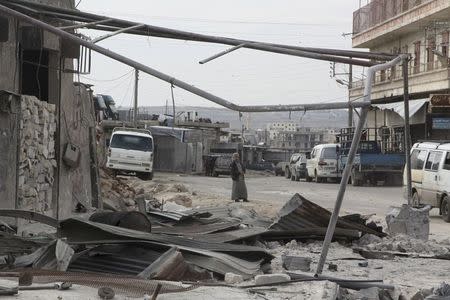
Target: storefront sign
x: 441, y: 123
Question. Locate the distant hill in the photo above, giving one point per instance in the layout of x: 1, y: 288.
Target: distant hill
x: 324, y: 119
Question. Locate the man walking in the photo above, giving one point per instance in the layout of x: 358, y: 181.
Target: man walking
x: 239, y: 190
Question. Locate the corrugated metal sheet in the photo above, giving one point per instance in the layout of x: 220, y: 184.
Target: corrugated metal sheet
x: 217, y: 257
x: 299, y: 213
x: 195, y: 229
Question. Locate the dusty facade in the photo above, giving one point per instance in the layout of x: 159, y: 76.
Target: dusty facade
x: 36, y: 63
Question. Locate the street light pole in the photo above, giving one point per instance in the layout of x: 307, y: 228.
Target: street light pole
x: 136, y: 88
x: 350, y: 108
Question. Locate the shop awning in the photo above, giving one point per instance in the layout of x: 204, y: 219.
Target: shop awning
x: 398, y: 107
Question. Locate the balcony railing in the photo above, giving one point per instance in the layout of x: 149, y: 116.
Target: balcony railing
x: 396, y: 72
x: 378, y: 11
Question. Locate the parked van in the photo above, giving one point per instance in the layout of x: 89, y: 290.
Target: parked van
x: 430, y: 176
x: 131, y: 151
x: 323, y: 163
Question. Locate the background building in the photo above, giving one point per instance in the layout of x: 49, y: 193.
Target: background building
x: 418, y: 28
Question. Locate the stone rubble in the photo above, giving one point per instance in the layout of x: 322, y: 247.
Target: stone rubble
x: 36, y: 154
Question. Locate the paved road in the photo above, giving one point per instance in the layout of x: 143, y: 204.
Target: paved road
x: 275, y: 191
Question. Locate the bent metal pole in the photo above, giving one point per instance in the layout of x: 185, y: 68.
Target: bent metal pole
x: 173, y: 80
x: 351, y: 157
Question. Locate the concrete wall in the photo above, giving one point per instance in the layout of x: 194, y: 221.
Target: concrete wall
x: 9, y: 138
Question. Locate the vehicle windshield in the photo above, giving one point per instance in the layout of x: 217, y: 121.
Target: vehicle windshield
x: 132, y: 142
x: 329, y: 153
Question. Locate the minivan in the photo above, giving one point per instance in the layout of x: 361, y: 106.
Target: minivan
x: 430, y: 176
x: 131, y: 151
x: 323, y: 163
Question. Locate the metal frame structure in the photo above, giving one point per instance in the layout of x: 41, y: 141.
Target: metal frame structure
x: 88, y: 20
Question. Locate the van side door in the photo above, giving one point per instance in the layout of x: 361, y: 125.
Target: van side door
x: 310, y: 162
x: 430, y: 178
x: 444, y: 175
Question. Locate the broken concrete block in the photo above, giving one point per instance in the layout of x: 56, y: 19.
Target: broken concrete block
x: 369, y: 294
x: 297, y: 263
x: 332, y: 267
x: 414, y: 222
x: 232, y: 278
x: 271, y: 278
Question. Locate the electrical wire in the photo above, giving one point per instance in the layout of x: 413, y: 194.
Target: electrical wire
x: 108, y: 80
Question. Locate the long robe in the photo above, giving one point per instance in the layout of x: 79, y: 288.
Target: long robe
x: 239, y: 189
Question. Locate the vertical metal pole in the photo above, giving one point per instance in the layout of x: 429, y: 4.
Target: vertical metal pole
x: 350, y: 108
x: 407, y: 130
x: 136, y: 89
x: 351, y: 156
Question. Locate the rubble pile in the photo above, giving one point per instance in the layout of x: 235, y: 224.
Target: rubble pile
x: 36, y: 154
x: 117, y: 194
x: 166, y: 241
x: 404, y: 244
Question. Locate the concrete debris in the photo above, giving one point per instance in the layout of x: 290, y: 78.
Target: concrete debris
x: 231, y: 278
x: 414, y: 222
x: 405, y: 244
x: 178, y: 188
x: 268, y: 279
x: 422, y: 294
x: 296, y: 263
x: 332, y: 267
x: 181, y: 199
x: 442, y: 292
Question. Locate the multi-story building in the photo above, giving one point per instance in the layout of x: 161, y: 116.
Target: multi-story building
x: 303, y: 139
x: 274, y: 128
x: 417, y: 27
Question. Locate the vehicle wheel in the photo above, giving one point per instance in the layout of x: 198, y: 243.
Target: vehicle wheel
x: 297, y: 178
x: 145, y: 176
x: 316, y: 177
x: 292, y: 177
x: 415, y: 200
x: 445, y: 209
x: 308, y: 179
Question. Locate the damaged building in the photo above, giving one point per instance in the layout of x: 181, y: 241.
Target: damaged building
x: 47, y: 125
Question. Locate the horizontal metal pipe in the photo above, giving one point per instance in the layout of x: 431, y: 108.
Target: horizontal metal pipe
x: 178, y: 34
x: 173, y: 80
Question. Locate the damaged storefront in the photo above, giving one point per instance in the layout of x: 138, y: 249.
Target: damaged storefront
x: 429, y: 118
x: 46, y: 122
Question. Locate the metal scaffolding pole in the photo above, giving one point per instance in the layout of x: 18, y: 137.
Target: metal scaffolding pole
x: 136, y: 92
x: 179, y: 34
x: 173, y: 80
x: 351, y: 157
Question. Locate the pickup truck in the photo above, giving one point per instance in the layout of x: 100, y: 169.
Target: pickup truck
x: 372, y: 165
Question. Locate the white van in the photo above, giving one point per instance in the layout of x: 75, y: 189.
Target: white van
x: 323, y: 163
x: 430, y: 176
x: 131, y: 151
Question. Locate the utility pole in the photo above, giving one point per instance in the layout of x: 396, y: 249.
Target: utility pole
x: 350, y: 109
x: 136, y: 87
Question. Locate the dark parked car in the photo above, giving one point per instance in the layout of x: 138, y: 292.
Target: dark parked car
x: 222, y: 165
x: 280, y: 168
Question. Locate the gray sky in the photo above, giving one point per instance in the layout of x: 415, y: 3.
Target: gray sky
x: 246, y: 77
